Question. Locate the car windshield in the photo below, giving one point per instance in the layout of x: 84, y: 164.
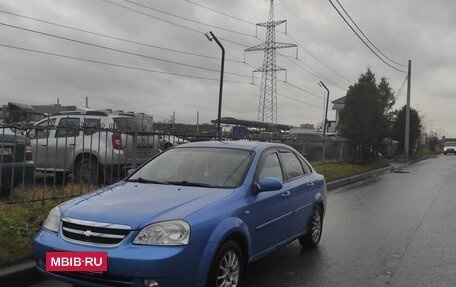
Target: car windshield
x: 450, y: 143
x: 204, y: 167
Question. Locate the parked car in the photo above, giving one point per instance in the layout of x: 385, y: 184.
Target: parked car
x: 16, y: 165
x: 195, y: 215
x: 92, y: 145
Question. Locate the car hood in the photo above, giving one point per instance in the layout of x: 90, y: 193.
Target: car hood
x: 139, y: 204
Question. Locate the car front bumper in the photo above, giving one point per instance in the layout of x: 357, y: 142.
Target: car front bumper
x: 128, y: 264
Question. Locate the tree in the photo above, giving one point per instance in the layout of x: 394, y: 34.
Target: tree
x: 366, y: 115
x: 398, y: 132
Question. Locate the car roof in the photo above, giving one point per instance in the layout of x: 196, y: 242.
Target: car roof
x: 246, y: 145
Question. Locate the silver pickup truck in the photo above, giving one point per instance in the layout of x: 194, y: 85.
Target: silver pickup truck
x: 93, y: 146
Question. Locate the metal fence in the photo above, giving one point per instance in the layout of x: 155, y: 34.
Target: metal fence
x: 51, y: 156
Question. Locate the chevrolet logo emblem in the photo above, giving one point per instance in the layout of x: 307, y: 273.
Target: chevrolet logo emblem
x: 87, y: 233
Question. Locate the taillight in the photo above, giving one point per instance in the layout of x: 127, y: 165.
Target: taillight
x: 28, y: 149
x: 116, y: 141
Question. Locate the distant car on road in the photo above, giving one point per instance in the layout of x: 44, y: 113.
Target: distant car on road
x: 449, y: 147
x: 16, y: 164
x: 195, y: 215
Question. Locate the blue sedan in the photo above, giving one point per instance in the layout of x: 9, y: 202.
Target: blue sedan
x: 195, y: 215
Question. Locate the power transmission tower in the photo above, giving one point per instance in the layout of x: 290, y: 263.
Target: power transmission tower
x: 267, y: 108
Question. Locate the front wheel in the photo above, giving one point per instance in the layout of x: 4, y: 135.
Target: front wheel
x: 227, y: 267
x: 312, y: 238
x: 87, y: 171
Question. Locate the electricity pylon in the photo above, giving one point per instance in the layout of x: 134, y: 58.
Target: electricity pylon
x: 267, y: 108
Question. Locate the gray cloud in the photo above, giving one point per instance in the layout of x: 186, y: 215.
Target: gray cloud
x: 419, y: 30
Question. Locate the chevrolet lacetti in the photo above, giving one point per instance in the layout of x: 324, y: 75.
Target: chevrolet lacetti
x: 194, y: 215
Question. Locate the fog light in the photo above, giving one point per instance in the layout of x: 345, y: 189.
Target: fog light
x: 150, y: 283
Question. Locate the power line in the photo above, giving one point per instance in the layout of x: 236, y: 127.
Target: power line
x: 369, y: 47
x: 308, y: 69
x: 294, y: 99
x: 118, y: 38
x: 299, y: 101
x: 223, y: 13
x: 367, y: 38
x: 318, y: 59
x: 116, y: 65
x: 402, y: 87
x: 136, y: 68
x: 301, y: 89
x: 169, y: 22
x: 188, y: 19
x: 306, y: 50
x: 120, y: 51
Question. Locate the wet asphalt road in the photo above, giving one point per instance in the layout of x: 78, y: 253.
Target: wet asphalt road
x: 398, y: 229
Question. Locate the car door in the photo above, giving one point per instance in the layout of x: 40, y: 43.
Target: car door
x: 39, y: 138
x: 300, y: 182
x: 270, y: 216
x: 64, y: 142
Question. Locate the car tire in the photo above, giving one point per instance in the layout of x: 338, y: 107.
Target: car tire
x: 5, y: 188
x: 87, y: 171
x: 228, y: 266
x: 312, y: 238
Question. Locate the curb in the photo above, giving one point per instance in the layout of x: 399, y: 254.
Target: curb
x: 359, y: 177
x: 21, y: 275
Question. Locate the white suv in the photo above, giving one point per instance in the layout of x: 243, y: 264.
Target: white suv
x: 93, y: 145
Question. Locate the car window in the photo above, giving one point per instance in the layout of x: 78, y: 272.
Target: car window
x: 68, y: 127
x: 292, y: 165
x: 306, y: 167
x: 91, y: 125
x: 42, y: 130
x: 212, y: 167
x: 271, y: 167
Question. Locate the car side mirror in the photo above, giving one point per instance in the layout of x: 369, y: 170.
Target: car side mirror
x: 269, y: 184
x: 131, y: 171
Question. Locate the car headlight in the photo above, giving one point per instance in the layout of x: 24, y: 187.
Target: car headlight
x: 174, y: 232
x: 52, y: 221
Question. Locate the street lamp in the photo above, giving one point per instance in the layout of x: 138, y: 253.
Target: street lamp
x: 209, y: 35
x: 326, y: 110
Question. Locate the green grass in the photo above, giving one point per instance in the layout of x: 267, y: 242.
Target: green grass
x: 18, y: 225
x: 337, y: 170
x: 20, y: 221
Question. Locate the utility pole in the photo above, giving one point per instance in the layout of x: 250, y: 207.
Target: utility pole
x: 325, y: 121
x: 197, y: 121
x: 210, y: 36
x: 407, y: 111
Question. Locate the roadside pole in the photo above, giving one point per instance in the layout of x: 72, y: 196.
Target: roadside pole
x: 407, y: 111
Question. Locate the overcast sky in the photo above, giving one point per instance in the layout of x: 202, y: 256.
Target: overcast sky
x: 145, y: 69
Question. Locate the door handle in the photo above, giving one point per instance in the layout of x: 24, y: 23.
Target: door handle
x: 286, y: 194
x: 43, y: 145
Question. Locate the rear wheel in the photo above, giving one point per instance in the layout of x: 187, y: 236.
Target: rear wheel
x: 312, y: 238
x: 5, y: 188
x: 227, y: 267
x: 87, y: 171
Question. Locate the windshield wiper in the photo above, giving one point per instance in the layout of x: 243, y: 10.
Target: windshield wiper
x: 190, y: 183
x: 142, y: 180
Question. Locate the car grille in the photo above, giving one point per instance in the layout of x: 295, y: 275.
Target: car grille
x: 93, y: 233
